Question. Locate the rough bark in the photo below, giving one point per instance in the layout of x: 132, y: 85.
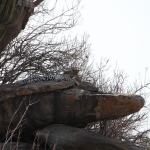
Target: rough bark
x: 70, y: 138
x: 13, y: 30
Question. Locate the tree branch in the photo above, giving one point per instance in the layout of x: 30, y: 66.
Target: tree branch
x: 37, y: 2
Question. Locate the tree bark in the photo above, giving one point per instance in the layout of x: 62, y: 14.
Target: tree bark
x: 13, y: 31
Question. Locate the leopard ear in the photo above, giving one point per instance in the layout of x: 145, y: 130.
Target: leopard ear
x: 75, y: 70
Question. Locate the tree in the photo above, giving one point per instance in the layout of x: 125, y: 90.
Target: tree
x: 42, y: 48
x: 37, y: 50
x: 132, y: 128
x: 13, y: 18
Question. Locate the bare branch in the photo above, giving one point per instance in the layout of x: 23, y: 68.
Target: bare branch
x: 37, y: 2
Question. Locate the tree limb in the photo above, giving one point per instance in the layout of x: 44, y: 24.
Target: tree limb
x: 37, y: 2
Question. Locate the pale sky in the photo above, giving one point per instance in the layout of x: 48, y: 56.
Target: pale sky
x: 120, y: 31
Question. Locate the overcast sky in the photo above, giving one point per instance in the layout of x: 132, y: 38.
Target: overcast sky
x: 120, y: 31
